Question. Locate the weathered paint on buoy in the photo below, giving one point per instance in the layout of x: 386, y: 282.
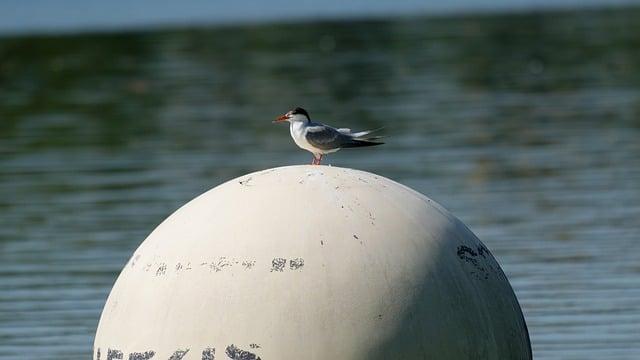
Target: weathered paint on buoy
x: 312, y: 262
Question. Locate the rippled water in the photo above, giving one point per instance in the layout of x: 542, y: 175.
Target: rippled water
x: 526, y: 127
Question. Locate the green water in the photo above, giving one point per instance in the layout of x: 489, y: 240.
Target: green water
x: 526, y: 127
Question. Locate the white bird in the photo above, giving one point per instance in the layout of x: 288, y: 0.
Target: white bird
x: 321, y: 139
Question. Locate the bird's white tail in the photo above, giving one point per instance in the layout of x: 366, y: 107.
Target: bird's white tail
x: 363, y: 134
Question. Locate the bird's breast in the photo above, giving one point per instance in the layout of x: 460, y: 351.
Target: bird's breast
x: 298, y: 131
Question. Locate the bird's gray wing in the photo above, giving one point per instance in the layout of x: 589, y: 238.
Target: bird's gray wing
x: 325, y: 137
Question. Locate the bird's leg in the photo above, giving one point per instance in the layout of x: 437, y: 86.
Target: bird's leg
x: 319, y: 159
x: 313, y: 162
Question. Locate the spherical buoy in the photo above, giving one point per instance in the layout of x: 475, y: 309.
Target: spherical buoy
x: 312, y: 262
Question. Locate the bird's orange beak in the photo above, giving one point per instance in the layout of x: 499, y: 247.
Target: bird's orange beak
x: 281, y: 118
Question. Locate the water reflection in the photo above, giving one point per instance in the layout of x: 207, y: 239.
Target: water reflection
x: 525, y: 126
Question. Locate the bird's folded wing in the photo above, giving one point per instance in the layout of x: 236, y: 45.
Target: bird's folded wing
x: 325, y: 138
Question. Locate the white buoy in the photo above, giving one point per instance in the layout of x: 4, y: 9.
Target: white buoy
x: 312, y: 262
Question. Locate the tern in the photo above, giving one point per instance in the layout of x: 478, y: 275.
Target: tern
x: 320, y: 139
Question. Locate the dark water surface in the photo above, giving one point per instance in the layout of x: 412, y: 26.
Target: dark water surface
x: 527, y: 127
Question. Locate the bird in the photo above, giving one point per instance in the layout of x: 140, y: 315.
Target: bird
x: 321, y: 139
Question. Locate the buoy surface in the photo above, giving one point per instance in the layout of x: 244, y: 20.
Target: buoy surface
x: 312, y: 262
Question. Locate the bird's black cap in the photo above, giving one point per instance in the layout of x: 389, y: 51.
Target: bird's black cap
x: 300, y: 110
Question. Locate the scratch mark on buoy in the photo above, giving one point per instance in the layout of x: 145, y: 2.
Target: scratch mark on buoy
x: 246, y: 182
x: 235, y: 353
x: 142, y: 356
x: 471, y: 257
x: 296, y: 263
x: 114, y: 354
x: 220, y: 264
x: 277, y: 264
x: 209, y: 354
x: 179, y: 354
x: 162, y: 269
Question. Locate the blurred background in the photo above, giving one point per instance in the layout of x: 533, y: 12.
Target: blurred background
x: 521, y: 117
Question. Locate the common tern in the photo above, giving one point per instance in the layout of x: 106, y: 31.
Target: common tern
x: 321, y: 139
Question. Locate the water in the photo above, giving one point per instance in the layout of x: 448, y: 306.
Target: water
x: 43, y: 16
x: 524, y: 126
